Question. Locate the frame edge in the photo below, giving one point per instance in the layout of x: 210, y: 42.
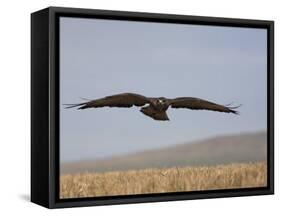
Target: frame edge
x: 39, y: 107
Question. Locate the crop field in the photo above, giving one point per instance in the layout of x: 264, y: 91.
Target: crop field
x: 163, y: 180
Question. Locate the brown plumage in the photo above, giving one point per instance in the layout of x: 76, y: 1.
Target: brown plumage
x: 156, y: 107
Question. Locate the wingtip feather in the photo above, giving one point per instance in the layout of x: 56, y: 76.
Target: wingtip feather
x: 69, y: 106
x: 233, y: 109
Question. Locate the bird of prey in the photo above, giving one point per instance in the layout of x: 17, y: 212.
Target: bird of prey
x: 154, y: 107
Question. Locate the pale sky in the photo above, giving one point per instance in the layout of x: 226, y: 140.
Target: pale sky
x: 104, y: 57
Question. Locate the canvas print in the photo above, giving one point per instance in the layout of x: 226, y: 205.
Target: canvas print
x: 149, y: 107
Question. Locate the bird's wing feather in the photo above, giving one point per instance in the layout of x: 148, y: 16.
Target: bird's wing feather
x: 118, y: 100
x: 200, y: 104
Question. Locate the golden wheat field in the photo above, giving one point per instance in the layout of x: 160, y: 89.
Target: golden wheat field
x: 163, y: 180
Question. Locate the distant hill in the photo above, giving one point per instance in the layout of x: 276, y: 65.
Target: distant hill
x: 238, y: 148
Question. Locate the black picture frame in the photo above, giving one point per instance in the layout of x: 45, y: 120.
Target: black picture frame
x: 45, y: 100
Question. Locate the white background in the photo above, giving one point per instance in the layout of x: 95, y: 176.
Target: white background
x: 15, y: 107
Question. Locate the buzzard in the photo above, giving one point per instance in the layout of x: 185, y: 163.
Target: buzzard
x: 154, y: 107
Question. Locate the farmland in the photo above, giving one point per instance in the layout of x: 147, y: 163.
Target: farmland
x: 159, y: 180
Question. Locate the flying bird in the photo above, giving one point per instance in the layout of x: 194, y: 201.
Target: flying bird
x: 154, y: 107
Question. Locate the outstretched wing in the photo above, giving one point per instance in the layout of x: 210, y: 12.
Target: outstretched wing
x: 199, y: 104
x: 119, y: 100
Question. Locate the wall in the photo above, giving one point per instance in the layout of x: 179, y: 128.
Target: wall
x: 15, y: 106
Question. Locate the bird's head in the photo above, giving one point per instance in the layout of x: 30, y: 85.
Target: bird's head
x: 161, y: 100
